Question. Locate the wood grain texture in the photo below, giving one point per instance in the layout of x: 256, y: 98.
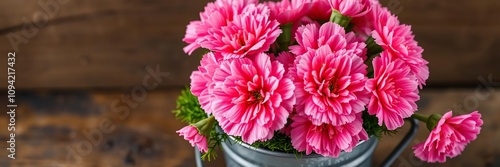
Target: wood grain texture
x: 48, y: 122
x: 459, y: 38
x: 53, y: 128
x: 102, y: 44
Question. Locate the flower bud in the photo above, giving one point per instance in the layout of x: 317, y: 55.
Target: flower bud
x: 432, y: 121
x: 205, y: 126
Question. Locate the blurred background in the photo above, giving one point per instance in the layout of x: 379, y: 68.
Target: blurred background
x: 96, y: 80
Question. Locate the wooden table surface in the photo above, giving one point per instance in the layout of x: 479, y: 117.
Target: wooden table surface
x: 53, y: 127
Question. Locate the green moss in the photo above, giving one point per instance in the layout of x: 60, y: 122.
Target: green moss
x: 280, y: 142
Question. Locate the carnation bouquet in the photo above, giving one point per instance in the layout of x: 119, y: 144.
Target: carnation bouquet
x: 309, y: 76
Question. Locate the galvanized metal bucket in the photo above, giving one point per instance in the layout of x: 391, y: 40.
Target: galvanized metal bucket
x: 244, y: 155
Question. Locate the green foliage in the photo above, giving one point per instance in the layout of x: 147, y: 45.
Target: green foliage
x: 280, y: 143
x: 188, y: 108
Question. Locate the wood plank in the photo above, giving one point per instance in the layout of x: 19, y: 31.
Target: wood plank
x: 458, y: 56
x: 49, y: 123
x: 460, y: 12
x: 13, y: 11
x: 110, y: 50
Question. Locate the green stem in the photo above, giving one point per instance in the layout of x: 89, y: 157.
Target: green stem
x: 340, y: 19
x: 430, y: 121
x: 420, y: 117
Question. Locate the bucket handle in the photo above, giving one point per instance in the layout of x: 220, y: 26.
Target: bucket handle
x: 197, y: 155
x: 402, y: 144
x: 387, y: 162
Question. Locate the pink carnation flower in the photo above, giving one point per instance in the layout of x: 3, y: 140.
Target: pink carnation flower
x: 249, y: 33
x: 399, y: 41
x: 201, y: 80
x: 394, y: 92
x: 329, y: 86
x: 288, y: 11
x: 216, y: 15
x: 351, y: 8
x: 326, y: 139
x: 252, y: 97
x: 312, y: 36
x: 192, y: 135
x: 449, y: 137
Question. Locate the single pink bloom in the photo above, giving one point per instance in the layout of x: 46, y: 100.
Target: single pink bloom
x: 329, y: 86
x: 320, y: 10
x: 215, y: 15
x: 449, y: 137
x: 201, y: 80
x: 312, y: 36
x: 326, y: 139
x: 192, y: 135
x: 289, y: 11
x: 399, y: 41
x: 393, y: 90
x: 247, y: 34
x: 351, y: 8
x: 252, y: 97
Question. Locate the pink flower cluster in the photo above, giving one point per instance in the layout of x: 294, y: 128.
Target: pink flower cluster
x: 273, y: 62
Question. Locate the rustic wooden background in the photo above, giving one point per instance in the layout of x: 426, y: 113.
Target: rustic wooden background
x: 91, y: 52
